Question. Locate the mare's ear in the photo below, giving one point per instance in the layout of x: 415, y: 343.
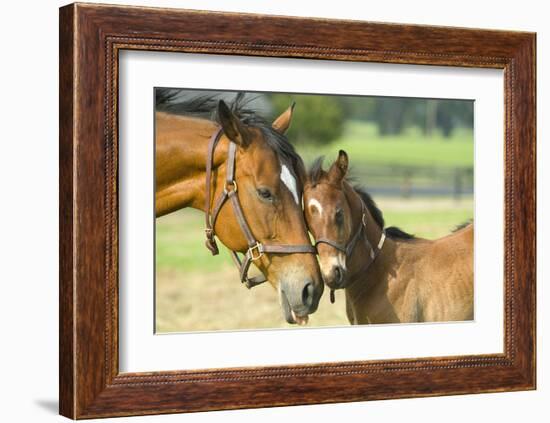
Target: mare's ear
x: 339, y: 168
x: 232, y: 126
x: 282, y: 123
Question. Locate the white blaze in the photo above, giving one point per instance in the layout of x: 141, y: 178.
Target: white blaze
x: 290, y: 182
x: 314, y: 203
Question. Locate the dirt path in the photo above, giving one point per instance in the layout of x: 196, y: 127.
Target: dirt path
x: 217, y: 301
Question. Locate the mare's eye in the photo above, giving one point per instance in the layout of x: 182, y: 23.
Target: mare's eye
x: 265, y: 194
x: 339, y: 216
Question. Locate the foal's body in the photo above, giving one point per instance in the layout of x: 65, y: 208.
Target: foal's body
x: 393, y: 277
x: 415, y: 281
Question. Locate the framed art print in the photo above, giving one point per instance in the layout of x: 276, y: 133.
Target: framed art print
x: 260, y: 211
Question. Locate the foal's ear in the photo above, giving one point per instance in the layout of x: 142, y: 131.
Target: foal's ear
x: 232, y: 126
x: 282, y: 123
x: 339, y: 168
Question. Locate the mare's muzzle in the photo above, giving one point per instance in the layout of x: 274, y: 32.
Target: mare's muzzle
x: 298, y: 300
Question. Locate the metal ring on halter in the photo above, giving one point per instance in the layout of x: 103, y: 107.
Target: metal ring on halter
x: 257, y: 247
x: 229, y: 184
x: 363, y: 220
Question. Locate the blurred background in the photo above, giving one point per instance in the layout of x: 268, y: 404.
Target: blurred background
x: 415, y: 157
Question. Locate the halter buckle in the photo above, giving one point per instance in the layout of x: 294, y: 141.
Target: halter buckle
x: 211, y: 241
x: 230, y: 184
x: 259, y: 248
x: 363, y: 221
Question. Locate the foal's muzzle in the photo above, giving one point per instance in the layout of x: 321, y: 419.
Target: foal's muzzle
x: 336, y: 277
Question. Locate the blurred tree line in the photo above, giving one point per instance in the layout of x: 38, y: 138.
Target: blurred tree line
x: 321, y: 118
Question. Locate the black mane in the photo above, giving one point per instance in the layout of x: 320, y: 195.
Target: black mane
x: 393, y: 231
x: 463, y: 225
x: 189, y: 103
x: 315, y: 175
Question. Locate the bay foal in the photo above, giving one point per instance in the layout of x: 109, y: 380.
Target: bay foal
x: 388, y: 275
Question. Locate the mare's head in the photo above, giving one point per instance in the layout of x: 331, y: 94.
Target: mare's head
x: 269, y: 176
x: 330, y: 211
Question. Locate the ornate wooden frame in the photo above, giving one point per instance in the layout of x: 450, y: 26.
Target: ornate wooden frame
x: 90, y: 38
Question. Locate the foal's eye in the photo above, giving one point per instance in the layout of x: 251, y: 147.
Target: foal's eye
x: 339, y: 216
x: 265, y: 194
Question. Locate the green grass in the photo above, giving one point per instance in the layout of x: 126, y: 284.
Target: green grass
x: 180, y: 235
x: 412, y: 148
x: 180, y: 243
x: 430, y: 224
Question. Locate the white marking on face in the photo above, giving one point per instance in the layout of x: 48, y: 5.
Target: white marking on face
x: 290, y: 181
x: 313, y: 203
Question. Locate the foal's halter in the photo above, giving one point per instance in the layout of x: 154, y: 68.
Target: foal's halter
x: 348, y: 248
x: 255, y: 248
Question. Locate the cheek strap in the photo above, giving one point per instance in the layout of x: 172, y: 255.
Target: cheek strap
x: 256, y: 249
x: 350, y: 246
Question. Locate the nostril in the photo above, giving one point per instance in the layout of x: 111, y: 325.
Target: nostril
x: 337, y: 274
x: 307, y: 295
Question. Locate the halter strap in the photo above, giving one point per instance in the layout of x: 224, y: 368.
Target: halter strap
x: 255, y: 248
x: 209, y: 226
x: 350, y: 246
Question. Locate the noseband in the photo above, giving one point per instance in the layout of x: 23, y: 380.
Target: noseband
x: 255, y: 248
x: 350, y: 246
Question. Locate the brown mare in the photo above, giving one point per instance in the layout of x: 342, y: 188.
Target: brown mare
x: 388, y: 276
x: 268, y: 174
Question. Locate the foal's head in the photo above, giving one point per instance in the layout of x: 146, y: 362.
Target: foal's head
x: 333, y: 212
x: 269, y: 176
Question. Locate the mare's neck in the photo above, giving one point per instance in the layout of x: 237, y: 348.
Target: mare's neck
x: 181, y: 149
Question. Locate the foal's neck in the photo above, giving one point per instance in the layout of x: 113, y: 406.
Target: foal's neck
x: 375, y: 290
x: 360, y: 260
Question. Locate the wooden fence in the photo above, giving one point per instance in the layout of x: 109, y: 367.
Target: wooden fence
x: 411, y: 181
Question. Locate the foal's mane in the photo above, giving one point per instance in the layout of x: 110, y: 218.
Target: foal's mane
x: 205, y: 106
x: 462, y: 225
x: 393, y: 231
x: 316, y: 173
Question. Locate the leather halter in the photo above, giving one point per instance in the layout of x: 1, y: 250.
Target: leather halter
x: 255, y: 248
x: 350, y: 246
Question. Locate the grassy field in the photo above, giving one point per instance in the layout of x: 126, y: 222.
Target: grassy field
x: 363, y: 145
x: 197, y: 292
